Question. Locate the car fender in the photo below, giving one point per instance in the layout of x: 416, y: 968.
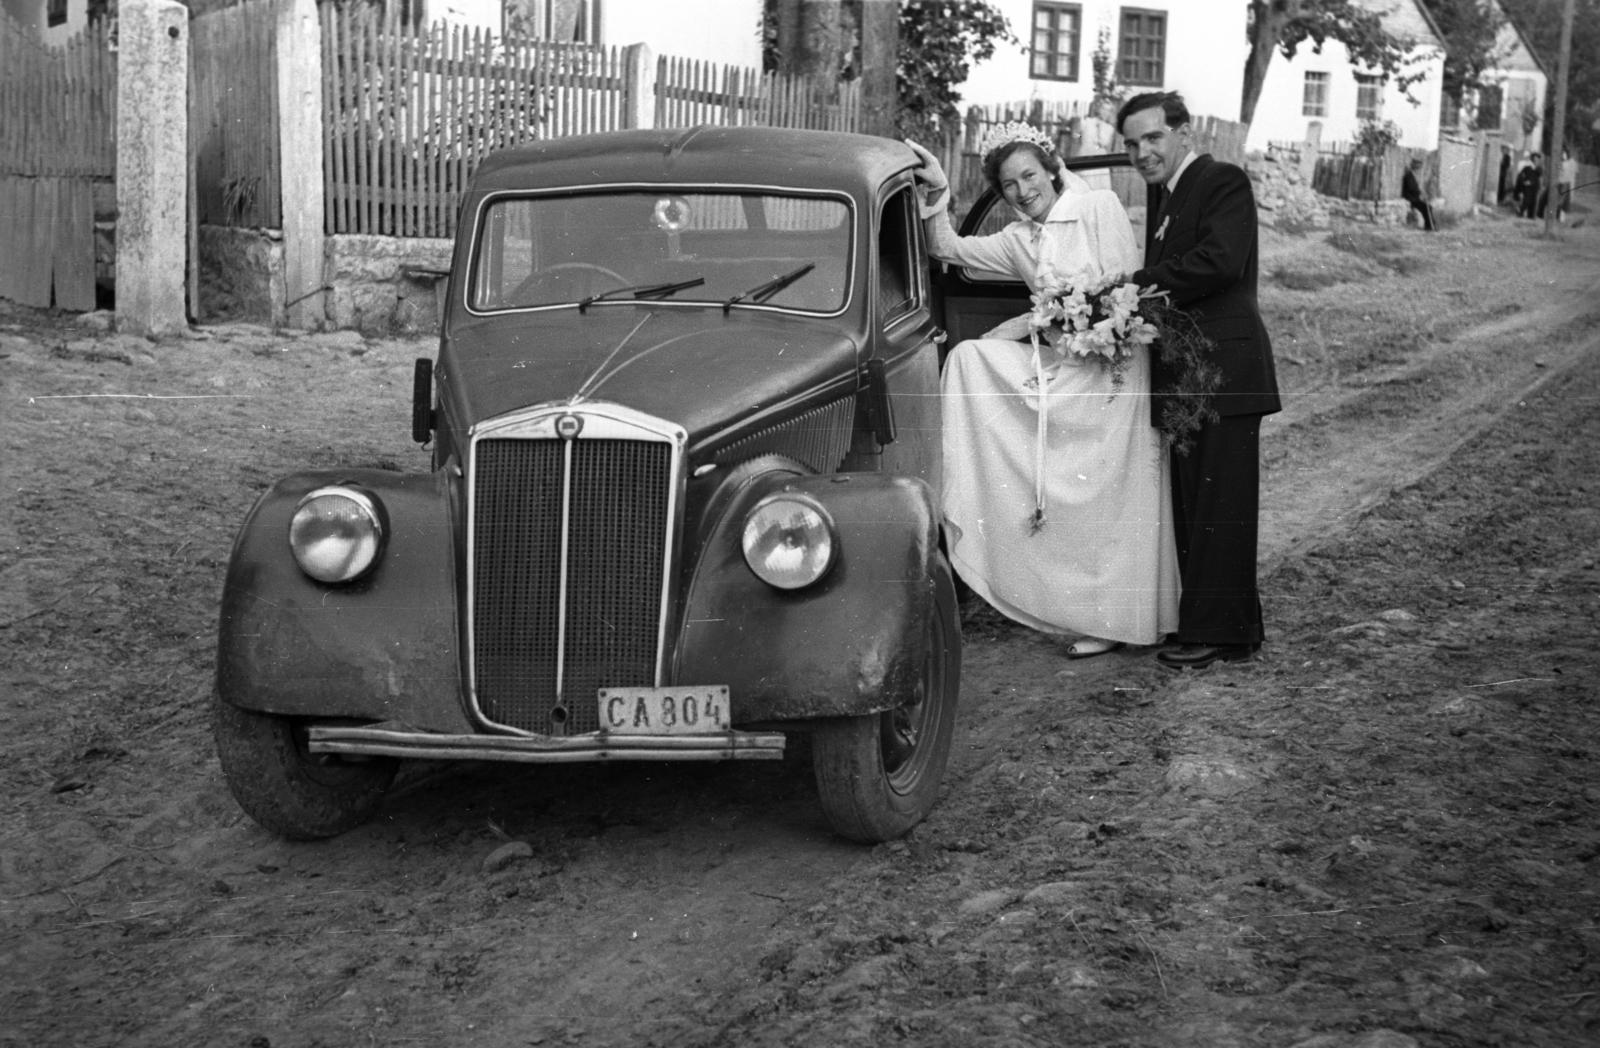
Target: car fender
x: 853, y: 643
x: 384, y: 647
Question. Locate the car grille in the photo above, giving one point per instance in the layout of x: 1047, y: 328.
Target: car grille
x: 617, y: 530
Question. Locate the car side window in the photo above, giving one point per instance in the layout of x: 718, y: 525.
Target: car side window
x: 897, y: 275
x: 1123, y: 181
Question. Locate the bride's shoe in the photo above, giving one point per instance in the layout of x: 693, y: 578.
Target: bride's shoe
x: 1088, y: 647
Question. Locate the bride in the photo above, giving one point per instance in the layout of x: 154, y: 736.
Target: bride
x: 1104, y: 564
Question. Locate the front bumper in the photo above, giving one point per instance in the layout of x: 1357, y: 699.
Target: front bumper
x: 398, y: 740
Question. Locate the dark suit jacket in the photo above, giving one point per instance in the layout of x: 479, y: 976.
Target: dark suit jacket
x: 1206, y: 260
x: 1409, y: 188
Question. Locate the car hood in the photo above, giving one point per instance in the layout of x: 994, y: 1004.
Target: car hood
x: 697, y: 367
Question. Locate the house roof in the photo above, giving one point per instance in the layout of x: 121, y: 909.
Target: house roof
x: 1519, y: 54
x: 829, y: 160
x: 1409, y: 19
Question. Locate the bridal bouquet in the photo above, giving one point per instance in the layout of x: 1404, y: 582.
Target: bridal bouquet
x: 1108, y: 320
x: 1102, y: 322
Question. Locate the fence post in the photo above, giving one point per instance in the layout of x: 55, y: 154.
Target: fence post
x: 152, y: 165
x: 299, y: 62
x: 638, y: 87
x: 1310, y: 150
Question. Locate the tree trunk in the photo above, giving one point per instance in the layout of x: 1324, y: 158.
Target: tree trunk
x: 1267, y: 19
x: 880, y: 50
x: 809, y: 39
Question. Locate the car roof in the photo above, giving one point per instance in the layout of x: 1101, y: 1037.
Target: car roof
x: 706, y: 155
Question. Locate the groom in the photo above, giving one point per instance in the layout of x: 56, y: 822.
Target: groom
x: 1200, y: 247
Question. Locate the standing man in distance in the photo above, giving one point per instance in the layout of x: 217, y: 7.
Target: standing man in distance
x: 1411, y: 191
x: 1201, y: 248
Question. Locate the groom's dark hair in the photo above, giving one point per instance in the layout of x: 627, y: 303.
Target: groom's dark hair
x: 1176, y: 114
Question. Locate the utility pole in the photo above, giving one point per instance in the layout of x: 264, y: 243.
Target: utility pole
x: 880, y: 53
x: 1558, y: 135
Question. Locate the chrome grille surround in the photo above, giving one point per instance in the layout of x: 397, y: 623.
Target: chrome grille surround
x: 570, y: 552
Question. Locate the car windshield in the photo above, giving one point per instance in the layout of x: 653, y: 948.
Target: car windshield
x: 554, y: 250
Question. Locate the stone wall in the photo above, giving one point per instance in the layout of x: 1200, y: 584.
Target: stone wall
x: 241, y: 274
x: 375, y: 284
x: 1378, y: 212
x: 105, y: 239
x: 381, y: 284
x: 1284, y: 197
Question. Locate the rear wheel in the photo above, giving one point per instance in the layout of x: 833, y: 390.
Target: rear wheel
x: 879, y: 775
x: 280, y: 784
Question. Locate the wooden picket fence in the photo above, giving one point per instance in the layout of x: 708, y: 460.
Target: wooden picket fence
x: 690, y: 92
x: 58, y: 129
x: 1223, y: 139
x: 58, y: 105
x: 409, y: 115
x: 233, y: 115
x: 1348, y: 174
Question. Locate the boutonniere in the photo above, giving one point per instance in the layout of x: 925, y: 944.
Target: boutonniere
x: 1161, y: 232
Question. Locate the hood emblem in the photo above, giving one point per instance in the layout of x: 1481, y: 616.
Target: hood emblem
x: 569, y: 426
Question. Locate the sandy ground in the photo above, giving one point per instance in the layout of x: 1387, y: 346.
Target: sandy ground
x: 1383, y: 832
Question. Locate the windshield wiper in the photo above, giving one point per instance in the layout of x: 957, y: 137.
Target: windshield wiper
x: 762, y: 292
x: 641, y: 291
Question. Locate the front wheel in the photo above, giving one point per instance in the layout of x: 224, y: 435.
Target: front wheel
x: 294, y: 793
x: 878, y: 775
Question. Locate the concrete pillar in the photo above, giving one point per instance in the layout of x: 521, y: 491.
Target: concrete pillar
x: 639, y: 73
x: 1309, y: 151
x: 152, y: 165
x: 300, y: 156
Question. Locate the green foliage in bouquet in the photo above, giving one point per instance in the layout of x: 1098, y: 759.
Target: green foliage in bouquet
x: 1186, y: 351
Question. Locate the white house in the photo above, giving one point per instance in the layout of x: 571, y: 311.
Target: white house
x: 719, y: 31
x: 55, y: 21
x: 1332, y: 90
x: 1514, y: 105
x: 1193, y: 46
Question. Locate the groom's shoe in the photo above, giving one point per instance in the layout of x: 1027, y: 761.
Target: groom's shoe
x: 1199, y: 656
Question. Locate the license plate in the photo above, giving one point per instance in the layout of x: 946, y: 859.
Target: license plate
x: 699, y: 710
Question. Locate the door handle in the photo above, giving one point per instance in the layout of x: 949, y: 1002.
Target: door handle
x: 880, y: 409
x: 940, y: 336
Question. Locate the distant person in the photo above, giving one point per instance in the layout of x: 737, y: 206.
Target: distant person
x: 1526, y: 190
x: 1505, y: 175
x: 1411, y: 189
x: 1567, y: 179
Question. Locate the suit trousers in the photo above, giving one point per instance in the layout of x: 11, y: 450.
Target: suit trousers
x: 1216, y: 498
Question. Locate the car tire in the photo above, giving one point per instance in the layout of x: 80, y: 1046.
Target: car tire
x: 294, y: 793
x: 879, y: 775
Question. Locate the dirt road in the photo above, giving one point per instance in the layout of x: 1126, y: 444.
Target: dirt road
x: 1386, y: 823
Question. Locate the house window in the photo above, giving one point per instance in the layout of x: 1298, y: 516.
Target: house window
x: 559, y: 21
x: 1491, y: 108
x: 55, y: 12
x: 1142, y: 57
x: 1056, y: 33
x: 1369, y: 97
x: 1316, y: 96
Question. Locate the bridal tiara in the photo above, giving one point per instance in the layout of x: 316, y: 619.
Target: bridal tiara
x: 1015, y: 131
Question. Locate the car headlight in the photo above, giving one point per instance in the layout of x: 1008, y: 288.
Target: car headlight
x: 336, y: 534
x: 789, y: 541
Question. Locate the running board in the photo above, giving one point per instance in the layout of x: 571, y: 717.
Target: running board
x: 378, y: 741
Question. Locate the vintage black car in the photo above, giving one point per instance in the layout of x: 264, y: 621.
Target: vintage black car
x: 686, y: 445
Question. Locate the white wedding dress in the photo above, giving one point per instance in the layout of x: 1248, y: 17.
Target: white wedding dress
x: 1104, y: 564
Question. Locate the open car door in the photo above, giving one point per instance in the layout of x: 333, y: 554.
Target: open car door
x: 968, y: 302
